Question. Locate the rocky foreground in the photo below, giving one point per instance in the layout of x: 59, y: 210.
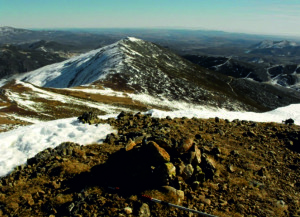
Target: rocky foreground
x: 224, y: 168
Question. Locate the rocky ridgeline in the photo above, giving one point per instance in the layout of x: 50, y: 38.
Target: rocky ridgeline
x: 237, y: 168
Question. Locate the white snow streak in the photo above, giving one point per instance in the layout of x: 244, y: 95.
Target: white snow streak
x: 278, y: 115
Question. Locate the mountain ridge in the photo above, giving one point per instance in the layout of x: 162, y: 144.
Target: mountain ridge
x: 142, y: 67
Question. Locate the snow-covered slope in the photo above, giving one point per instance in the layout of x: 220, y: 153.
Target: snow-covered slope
x: 83, y: 69
x: 10, y: 31
x: 275, y: 44
x: 275, y: 48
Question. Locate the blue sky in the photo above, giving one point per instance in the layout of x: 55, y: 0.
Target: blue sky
x: 281, y: 17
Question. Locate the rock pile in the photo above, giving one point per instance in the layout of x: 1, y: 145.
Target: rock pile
x: 89, y: 118
x: 237, y: 168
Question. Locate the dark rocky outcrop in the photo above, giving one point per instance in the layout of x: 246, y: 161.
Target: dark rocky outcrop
x: 89, y: 118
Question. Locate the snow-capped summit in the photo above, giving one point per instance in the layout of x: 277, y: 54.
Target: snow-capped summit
x: 87, y: 68
x: 7, y: 30
x: 275, y: 48
x: 274, y: 44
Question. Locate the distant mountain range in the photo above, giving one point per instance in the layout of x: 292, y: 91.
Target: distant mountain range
x: 139, y: 66
x: 276, y: 48
x: 16, y: 59
x: 77, y: 41
x: 274, y: 44
x: 280, y: 74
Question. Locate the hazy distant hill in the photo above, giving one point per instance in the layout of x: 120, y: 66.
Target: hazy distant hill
x: 276, y: 48
x: 15, y: 60
x: 80, y: 41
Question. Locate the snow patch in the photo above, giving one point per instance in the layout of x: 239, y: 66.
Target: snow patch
x: 25, y: 142
x: 133, y: 39
x: 105, y: 91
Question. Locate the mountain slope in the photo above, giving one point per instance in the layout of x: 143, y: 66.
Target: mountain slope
x: 138, y: 66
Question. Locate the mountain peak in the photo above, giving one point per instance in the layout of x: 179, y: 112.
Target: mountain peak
x: 6, y: 28
x: 133, y: 39
x: 90, y: 67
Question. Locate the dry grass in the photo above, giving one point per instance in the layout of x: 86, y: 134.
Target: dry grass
x: 229, y: 214
x: 238, y: 181
x: 169, y: 196
x: 62, y: 199
x: 14, y: 196
x: 72, y: 167
x: 8, y: 120
x: 113, y: 100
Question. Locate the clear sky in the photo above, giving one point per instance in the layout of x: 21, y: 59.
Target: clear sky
x: 281, y: 17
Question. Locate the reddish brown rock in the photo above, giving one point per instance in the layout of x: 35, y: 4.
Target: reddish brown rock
x: 158, y: 154
x: 186, y: 144
x: 130, y: 145
x: 195, y: 155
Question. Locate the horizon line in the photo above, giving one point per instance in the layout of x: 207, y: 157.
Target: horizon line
x: 157, y: 28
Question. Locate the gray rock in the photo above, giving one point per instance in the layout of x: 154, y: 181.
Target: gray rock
x: 128, y: 210
x: 231, y: 168
x: 178, y: 195
x: 207, y: 167
x: 195, y: 153
x: 188, y: 171
x: 144, y: 211
x: 199, y: 175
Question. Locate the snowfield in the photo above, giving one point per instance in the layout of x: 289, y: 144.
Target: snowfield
x: 25, y: 142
